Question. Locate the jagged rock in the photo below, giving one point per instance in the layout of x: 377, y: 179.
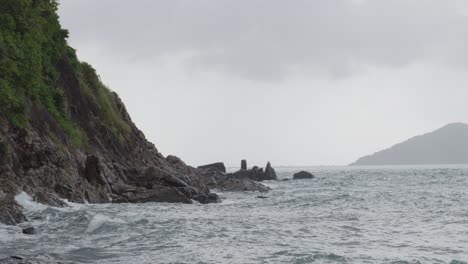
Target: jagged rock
x: 255, y: 174
x: 10, y: 212
x: 218, y: 165
x: 243, y: 164
x: 29, y: 231
x: 303, y: 175
x: 93, y: 171
x: 207, y: 198
x: 270, y: 173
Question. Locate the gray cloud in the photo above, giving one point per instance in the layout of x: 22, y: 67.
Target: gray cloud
x: 262, y: 39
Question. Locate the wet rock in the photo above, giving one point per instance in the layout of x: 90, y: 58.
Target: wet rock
x: 242, y: 185
x: 285, y: 179
x: 11, y: 212
x: 303, y: 175
x: 262, y: 197
x: 270, y: 173
x: 29, y: 231
x: 255, y: 174
x: 207, y: 198
x: 243, y: 164
x: 218, y: 165
x: 160, y: 194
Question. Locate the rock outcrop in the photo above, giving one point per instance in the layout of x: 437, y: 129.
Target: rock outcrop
x: 76, y: 141
x: 218, y: 166
x: 255, y: 174
x: 303, y: 175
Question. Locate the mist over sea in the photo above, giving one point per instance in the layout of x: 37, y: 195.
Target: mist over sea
x: 346, y: 215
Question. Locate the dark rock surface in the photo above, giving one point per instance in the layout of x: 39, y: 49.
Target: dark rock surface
x: 218, y: 165
x: 230, y: 182
x: 303, y: 175
x: 10, y: 212
x: 243, y: 164
x: 242, y: 185
x: 255, y: 174
x: 29, y: 231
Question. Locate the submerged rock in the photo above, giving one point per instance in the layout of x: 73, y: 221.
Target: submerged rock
x: 207, y: 198
x: 303, y: 175
x: 218, y: 165
x: 29, y: 231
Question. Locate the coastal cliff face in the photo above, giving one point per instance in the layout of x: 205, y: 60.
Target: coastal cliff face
x: 64, y: 135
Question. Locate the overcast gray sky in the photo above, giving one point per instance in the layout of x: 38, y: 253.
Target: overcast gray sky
x: 300, y: 82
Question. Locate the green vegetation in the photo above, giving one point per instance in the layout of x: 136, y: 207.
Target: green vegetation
x: 32, y: 42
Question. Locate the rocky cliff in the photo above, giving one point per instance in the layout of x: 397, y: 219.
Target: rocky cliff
x: 65, y: 135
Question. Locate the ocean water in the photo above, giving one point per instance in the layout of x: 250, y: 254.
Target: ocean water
x: 345, y: 215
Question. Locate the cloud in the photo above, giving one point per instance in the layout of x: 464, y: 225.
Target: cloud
x: 295, y: 82
x: 262, y: 39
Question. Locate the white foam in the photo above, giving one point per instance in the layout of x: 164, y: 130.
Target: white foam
x: 27, y: 202
x: 99, y: 220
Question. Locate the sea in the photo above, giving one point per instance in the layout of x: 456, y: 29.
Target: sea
x: 398, y: 215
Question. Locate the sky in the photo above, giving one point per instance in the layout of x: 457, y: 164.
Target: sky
x: 297, y: 83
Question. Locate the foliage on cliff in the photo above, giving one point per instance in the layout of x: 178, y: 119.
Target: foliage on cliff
x: 32, y: 43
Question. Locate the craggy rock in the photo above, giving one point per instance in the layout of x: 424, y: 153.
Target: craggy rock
x: 255, y: 174
x: 218, y: 166
x: 10, y: 212
x: 98, y: 155
x: 232, y: 182
x: 303, y: 175
x: 270, y: 173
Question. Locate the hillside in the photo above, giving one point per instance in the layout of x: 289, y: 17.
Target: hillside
x: 447, y: 145
x: 65, y: 135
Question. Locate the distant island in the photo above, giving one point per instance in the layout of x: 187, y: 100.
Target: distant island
x: 447, y: 145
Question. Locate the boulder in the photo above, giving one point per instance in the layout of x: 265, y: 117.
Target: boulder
x: 218, y: 165
x: 29, y: 231
x: 303, y: 175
